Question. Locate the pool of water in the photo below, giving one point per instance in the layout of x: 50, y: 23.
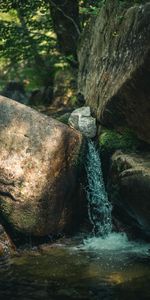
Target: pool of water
x: 76, y: 271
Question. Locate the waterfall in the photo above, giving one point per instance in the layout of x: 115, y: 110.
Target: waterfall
x: 99, y: 208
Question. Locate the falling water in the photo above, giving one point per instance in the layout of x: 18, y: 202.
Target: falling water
x: 99, y: 208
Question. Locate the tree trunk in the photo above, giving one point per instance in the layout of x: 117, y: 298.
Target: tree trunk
x: 65, y: 16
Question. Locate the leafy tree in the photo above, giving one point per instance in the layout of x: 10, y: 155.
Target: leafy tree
x: 39, y: 35
x: 28, y: 40
x: 65, y: 16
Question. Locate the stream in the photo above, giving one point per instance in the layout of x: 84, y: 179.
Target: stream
x: 70, y: 272
x: 103, y: 266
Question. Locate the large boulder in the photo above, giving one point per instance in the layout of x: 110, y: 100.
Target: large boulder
x: 129, y: 190
x: 38, y: 171
x: 114, y: 67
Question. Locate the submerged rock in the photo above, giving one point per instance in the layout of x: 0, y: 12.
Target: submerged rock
x: 114, y: 67
x: 129, y: 190
x: 38, y: 171
x: 82, y: 120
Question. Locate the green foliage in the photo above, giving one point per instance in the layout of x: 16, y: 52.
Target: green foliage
x: 89, y: 8
x: 28, y: 48
x: 28, y: 45
x: 27, y: 33
x: 74, y: 101
x: 93, y: 10
x: 110, y: 141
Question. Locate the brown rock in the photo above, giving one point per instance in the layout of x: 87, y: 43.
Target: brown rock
x: 114, y: 67
x: 129, y: 189
x: 6, y: 245
x: 38, y: 171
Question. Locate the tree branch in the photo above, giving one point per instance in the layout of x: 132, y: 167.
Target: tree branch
x: 69, y: 18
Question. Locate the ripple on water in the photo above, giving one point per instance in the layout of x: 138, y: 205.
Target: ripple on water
x: 75, y: 273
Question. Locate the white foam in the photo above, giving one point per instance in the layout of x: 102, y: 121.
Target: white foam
x: 115, y: 242
x: 99, y: 208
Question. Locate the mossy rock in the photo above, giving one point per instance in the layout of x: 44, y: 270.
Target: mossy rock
x: 64, y: 118
x: 111, y: 140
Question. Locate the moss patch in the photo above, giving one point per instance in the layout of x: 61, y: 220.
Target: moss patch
x: 64, y: 118
x: 110, y: 140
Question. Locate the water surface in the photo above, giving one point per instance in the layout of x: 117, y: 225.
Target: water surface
x: 77, y: 272
x: 105, y: 266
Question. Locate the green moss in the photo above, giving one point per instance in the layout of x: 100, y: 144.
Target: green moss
x: 110, y: 140
x: 74, y: 101
x: 64, y: 118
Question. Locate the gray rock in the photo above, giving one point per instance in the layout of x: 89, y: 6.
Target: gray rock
x: 87, y: 125
x: 82, y: 120
x: 83, y: 111
x: 129, y: 190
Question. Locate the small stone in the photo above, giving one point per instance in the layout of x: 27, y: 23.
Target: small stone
x: 83, y: 111
x: 82, y: 120
x: 87, y: 125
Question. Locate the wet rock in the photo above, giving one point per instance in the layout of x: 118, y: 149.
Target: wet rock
x: 38, y: 171
x: 114, y: 67
x: 82, y: 120
x: 129, y: 190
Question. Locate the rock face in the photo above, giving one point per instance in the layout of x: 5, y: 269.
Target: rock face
x: 129, y: 189
x: 114, y: 67
x: 38, y: 171
x: 81, y: 119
